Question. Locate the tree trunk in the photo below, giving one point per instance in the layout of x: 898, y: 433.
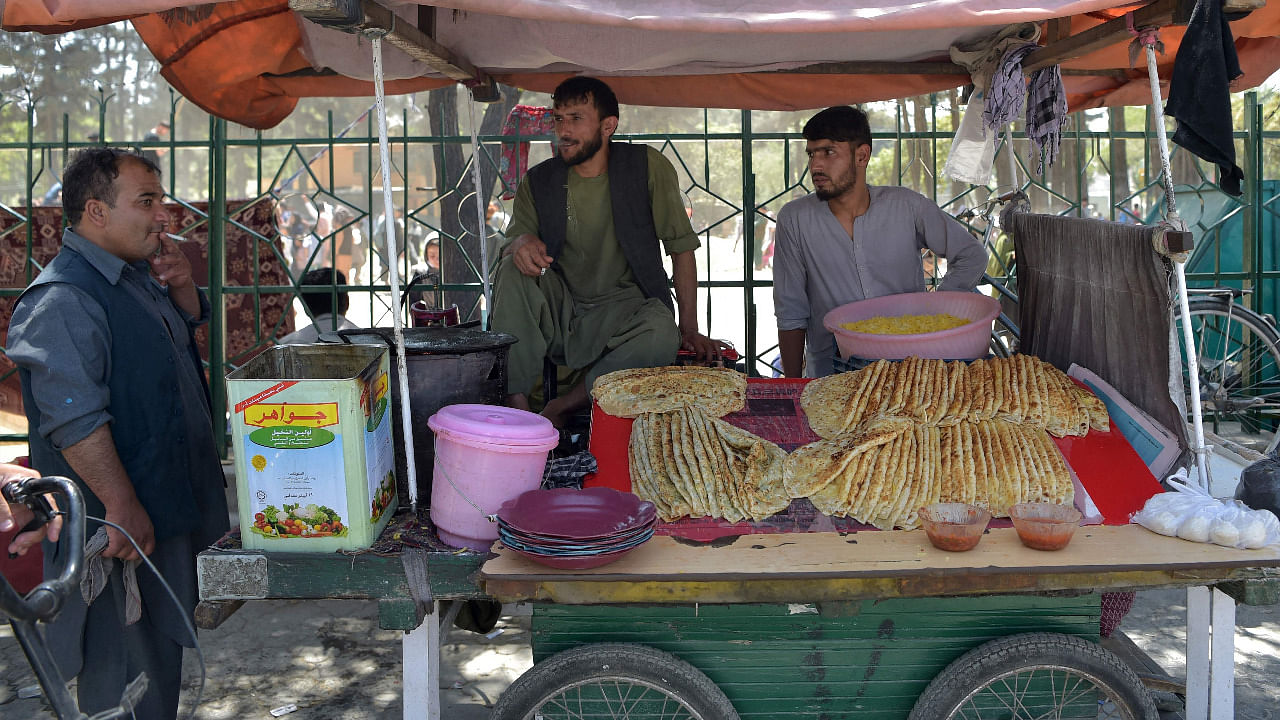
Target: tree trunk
x: 923, y: 165
x: 1119, y: 166
x: 953, y: 99
x: 460, y: 257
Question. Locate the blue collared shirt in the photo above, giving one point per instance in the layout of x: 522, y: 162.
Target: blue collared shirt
x: 61, y: 335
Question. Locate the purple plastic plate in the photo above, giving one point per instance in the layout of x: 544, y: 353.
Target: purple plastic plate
x: 597, y: 512
x: 556, y: 541
x: 572, y: 562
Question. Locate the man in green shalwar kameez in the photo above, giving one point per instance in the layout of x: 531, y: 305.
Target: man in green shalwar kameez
x: 579, y: 287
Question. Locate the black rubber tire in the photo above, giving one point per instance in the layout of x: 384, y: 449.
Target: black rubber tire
x: 987, y: 665
x: 1224, y: 398
x: 636, y: 666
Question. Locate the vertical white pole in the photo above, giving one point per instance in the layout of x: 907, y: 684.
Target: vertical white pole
x: 389, y: 225
x: 1198, y: 622
x: 1180, y: 272
x: 1222, y: 657
x: 420, y: 668
x: 482, y: 228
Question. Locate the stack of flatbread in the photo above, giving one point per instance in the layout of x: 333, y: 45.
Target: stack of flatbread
x: 883, y: 472
x: 1019, y: 389
x: 689, y: 463
x: 631, y: 393
x: 683, y: 457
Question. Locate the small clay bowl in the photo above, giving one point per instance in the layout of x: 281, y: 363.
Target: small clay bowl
x: 1044, y: 526
x: 954, y: 527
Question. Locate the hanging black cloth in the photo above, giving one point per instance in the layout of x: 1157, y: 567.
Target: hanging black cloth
x: 1199, y: 92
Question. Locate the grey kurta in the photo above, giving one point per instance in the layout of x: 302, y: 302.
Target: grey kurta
x: 818, y: 267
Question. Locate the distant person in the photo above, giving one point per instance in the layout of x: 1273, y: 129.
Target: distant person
x: 325, y: 324
x: 159, y: 133
x: 53, y: 196
x: 762, y: 241
x: 851, y: 241
x: 344, y: 237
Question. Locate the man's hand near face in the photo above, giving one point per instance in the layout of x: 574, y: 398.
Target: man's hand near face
x: 173, y: 270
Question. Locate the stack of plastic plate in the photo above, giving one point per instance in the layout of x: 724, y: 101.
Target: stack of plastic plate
x: 576, y: 529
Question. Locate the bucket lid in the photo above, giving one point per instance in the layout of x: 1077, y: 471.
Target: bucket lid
x: 495, y: 424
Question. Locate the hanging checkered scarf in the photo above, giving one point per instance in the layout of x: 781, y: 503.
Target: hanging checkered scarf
x: 1046, y: 114
x: 1008, y: 89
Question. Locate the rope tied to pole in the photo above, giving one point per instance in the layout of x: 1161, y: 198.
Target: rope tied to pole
x: 1142, y: 37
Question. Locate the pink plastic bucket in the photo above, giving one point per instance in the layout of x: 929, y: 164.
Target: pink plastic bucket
x: 966, y: 342
x: 485, y: 456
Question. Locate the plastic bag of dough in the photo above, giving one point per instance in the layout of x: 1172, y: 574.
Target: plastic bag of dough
x: 1190, y: 513
x: 1239, y: 527
x: 1168, y: 512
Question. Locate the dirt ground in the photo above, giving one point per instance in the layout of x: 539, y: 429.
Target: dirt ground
x: 331, y: 660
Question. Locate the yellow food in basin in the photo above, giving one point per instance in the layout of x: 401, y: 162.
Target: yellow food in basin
x: 906, y: 324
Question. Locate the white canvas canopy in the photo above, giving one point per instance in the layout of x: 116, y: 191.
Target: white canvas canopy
x: 249, y: 60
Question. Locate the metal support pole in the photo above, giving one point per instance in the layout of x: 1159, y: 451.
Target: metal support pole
x: 397, y: 331
x: 482, y: 228
x: 749, y: 221
x: 218, y: 280
x: 1180, y: 273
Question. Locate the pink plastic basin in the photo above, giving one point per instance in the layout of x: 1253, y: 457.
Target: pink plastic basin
x: 485, y: 456
x: 966, y: 342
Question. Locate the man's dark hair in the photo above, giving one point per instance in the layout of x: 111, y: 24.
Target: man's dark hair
x: 586, y: 89
x: 91, y: 175
x: 840, y: 124
x: 320, y: 302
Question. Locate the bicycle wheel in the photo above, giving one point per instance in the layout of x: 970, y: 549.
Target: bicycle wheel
x: 1036, y: 676
x: 1238, y: 352
x: 613, y: 681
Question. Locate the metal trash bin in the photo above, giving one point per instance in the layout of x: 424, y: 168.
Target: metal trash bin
x: 446, y: 366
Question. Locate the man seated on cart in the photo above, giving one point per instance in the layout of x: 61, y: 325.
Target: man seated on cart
x: 581, y: 281
x: 850, y: 241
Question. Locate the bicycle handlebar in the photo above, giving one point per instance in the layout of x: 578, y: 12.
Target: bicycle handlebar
x: 46, y: 599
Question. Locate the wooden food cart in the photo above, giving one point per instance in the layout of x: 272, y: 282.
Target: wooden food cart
x: 793, y: 625
x: 804, y: 625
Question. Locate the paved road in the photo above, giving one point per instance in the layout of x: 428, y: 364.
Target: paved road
x: 330, y: 658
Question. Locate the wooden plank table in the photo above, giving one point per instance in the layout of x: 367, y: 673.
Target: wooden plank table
x: 809, y: 567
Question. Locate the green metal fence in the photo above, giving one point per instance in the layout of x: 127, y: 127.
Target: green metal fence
x: 737, y: 168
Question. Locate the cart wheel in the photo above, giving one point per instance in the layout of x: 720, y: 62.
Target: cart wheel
x: 613, y: 681
x: 1036, y: 675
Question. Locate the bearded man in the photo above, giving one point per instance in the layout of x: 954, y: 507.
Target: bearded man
x: 850, y: 241
x: 581, y: 280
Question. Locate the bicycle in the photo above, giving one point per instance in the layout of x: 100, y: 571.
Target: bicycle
x: 1005, y: 335
x: 46, y: 599
x: 1238, y: 352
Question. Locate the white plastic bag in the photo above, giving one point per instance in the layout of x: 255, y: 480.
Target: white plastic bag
x: 1192, y: 514
x: 973, y: 151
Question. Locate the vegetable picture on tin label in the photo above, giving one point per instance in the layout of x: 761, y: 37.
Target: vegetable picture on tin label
x: 311, y: 521
x: 382, y: 498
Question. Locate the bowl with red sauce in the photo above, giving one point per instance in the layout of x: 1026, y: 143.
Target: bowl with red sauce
x: 954, y: 527
x: 1044, y: 526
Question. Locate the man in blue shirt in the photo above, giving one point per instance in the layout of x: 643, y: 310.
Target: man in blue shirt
x: 116, y: 399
